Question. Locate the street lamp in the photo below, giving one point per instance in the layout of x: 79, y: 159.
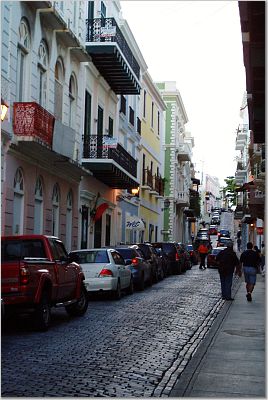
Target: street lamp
x: 4, y: 108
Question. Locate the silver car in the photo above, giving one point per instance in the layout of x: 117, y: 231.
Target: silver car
x: 105, y: 271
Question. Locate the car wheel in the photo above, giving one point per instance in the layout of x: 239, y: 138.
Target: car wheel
x: 130, y: 289
x: 150, y: 281
x: 141, y: 283
x: 80, y: 307
x: 117, y: 293
x: 42, y: 315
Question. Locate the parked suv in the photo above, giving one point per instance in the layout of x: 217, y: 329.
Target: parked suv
x: 174, y: 263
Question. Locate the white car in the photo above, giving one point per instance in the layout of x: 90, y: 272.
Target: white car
x: 105, y: 270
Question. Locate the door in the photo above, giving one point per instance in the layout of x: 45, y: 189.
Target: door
x: 100, y: 132
x: 84, y: 227
x: 97, y: 233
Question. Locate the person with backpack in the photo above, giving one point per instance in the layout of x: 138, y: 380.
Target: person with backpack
x: 228, y: 263
x: 203, y: 252
x: 250, y: 260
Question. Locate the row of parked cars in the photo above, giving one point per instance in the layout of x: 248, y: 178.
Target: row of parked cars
x: 131, y: 267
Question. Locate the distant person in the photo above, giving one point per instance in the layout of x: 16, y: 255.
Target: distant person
x: 262, y: 259
x: 250, y: 261
x: 255, y: 248
x: 192, y: 237
x: 238, y: 243
x: 203, y: 252
x: 228, y: 262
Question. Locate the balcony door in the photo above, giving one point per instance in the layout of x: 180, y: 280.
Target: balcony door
x: 99, y: 132
x: 87, y: 125
x: 97, y: 233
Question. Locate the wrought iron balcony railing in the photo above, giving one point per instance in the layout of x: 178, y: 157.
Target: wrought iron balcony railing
x: 103, y: 147
x: 32, y: 120
x: 106, y: 30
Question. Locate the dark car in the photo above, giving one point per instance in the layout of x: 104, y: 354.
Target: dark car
x: 211, y: 259
x: 151, y: 256
x: 174, y: 263
x: 141, y: 270
x: 185, y: 256
x: 193, y: 254
x: 164, y: 259
x: 224, y: 241
x: 213, y: 230
x: 224, y: 233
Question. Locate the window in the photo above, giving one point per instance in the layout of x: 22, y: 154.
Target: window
x: 131, y: 116
x: 143, y: 169
x: 87, y: 125
x: 72, y: 99
x: 90, y: 10
x: 158, y: 122
x: 103, y: 10
x: 100, y: 121
x: 38, y: 207
x: 18, y: 203
x: 123, y: 105
x: 42, y: 73
x: 111, y: 127
x: 144, y: 104
x: 58, y: 89
x: 55, y: 210
x: 22, y: 59
x: 138, y: 126
x: 152, y: 116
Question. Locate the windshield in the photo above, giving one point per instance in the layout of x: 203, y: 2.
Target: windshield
x: 88, y: 257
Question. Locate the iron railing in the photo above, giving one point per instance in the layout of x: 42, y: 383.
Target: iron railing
x: 101, y: 147
x: 106, y: 30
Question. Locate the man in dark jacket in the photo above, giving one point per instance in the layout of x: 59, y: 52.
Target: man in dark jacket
x: 227, y: 262
x: 250, y: 260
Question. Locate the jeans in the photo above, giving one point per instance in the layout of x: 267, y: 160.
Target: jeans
x: 202, y: 259
x: 226, y: 285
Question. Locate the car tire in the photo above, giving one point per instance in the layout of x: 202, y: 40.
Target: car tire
x: 141, y: 284
x: 130, y: 289
x: 150, y: 281
x: 118, y: 293
x: 42, y: 315
x: 80, y: 307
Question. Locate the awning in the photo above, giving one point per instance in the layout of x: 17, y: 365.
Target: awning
x: 134, y: 223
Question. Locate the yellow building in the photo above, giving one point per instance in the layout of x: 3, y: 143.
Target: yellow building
x: 152, y: 159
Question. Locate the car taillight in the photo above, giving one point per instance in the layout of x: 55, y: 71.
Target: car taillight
x: 135, y: 261
x: 191, y: 253
x: 177, y: 257
x: 105, y: 272
x: 24, y: 275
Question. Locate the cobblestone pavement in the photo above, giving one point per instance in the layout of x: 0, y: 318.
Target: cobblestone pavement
x: 135, y: 347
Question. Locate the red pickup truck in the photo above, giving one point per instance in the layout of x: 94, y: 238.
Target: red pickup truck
x: 36, y: 274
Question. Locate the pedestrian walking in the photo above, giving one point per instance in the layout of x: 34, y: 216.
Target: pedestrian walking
x: 192, y: 237
x: 228, y: 263
x: 255, y: 248
x: 203, y: 252
x: 262, y: 259
x: 250, y: 261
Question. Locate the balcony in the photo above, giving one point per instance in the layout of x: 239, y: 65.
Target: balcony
x: 256, y: 197
x: 47, y: 144
x: 112, y: 56
x: 147, y: 179
x: 184, y: 152
x: 183, y: 198
x: 110, y: 162
x: 159, y: 186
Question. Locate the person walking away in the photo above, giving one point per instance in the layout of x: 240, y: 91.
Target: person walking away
x: 228, y: 263
x: 192, y: 237
x: 203, y: 252
x: 250, y: 261
x: 238, y: 243
x: 262, y: 259
x: 255, y: 248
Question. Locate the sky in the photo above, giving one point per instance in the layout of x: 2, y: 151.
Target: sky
x: 197, y: 44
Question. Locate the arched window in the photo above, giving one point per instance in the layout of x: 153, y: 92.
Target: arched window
x: 42, y: 72
x: 55, y: 210
x: 18, y: 203
x: 58, y: 92
x: 24, y: 45
x: 69, y: 217
x: 72, y: 101
x: 38, y: 207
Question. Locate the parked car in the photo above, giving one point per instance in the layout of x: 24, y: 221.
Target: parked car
x: 105, y: 271
x: 151, y: 256
x: 193, y: 254
x: 164, y: 259
x: 215, y: 220
x: 185, y: 256
x: 141, y: 270
x: 224, y: 241
x: 37, y: 274
x: 224, y: 233
x: 211, y: 258
x: 174, y: 262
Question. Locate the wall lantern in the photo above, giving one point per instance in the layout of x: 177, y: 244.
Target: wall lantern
x: 135, y: 191
x: 166, y: 203
x: 4, y: 108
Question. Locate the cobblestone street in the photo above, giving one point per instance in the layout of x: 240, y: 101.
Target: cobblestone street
x: 135, y: 347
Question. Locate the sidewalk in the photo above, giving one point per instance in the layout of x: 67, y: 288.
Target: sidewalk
x: 231, y: 360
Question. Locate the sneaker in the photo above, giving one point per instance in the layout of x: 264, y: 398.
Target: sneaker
x: 249, y: 298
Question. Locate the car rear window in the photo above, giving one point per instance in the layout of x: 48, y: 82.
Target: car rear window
x: 216, y: 251
x: 127, y: 253
x: 14, y: 250
x: 90, y: 257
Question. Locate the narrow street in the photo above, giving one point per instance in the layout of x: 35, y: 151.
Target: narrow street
x: 135, y: 347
